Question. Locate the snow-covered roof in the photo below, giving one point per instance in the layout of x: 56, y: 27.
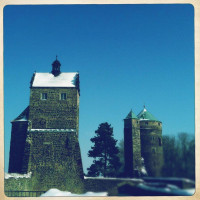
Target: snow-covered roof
x: 49, y: 80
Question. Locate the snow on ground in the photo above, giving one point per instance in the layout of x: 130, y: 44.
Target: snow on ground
x: 56, y: 192
x: 170, y: 189
x: 143, y: 170
x: 16, y: 176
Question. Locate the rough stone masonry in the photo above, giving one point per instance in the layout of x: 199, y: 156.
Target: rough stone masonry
x: 44, y: 138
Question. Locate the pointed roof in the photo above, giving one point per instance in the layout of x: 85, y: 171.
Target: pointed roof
x: 23, y: 116
x: 146, y: 115
x: 131, y: 115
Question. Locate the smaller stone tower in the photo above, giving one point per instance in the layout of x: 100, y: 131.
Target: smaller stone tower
x: 18, y: 140
x: 132, y: 147
x: 151, y: 142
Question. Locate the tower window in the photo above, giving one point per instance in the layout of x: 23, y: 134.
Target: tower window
x: 160, y: 141
x: 63, y: 96
x: 44, y: 96
x: 146, y: 123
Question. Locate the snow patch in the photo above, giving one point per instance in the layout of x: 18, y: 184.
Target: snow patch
x: 52, y: 130
x: 16, y: 176
x: 143, y: 170
x: 22, y: 119
x: 56, y: 192
x: 111, y: 178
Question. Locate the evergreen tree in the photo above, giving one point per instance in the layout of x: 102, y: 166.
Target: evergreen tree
x: 106, y: 162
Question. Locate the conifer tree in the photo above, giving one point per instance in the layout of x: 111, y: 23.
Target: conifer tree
x: 106, y: 162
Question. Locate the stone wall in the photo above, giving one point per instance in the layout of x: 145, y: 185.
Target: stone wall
x: 19, y: 184
x: 55, y: 161
x: 136, y: 144
x: 151, y: 146
x: 132, y: 147
x: 17, y: 146
x: 52, y: 151
x: 47, y: 144
x: 54, y: 113
x: 107, y: 184
x: 90, y: 184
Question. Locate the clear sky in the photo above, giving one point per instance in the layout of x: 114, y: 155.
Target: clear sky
x: 127, y: 56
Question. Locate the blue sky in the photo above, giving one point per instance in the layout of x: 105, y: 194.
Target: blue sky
x: 127, y: 56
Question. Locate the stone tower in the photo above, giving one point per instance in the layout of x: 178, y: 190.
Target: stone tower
x: 18, y: 140
x: 49, y: 132
x: 132, y: 147
x: 151, y: 142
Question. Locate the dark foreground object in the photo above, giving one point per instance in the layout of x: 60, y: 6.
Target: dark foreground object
x: 151, y: 189
x: 113, y: 186
x: 141, y: 187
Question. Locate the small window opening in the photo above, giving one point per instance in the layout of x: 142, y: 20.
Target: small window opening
x: 160, y: 141
x: 44, y: 96
x: 63, y: 96
x: 146, y: 123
